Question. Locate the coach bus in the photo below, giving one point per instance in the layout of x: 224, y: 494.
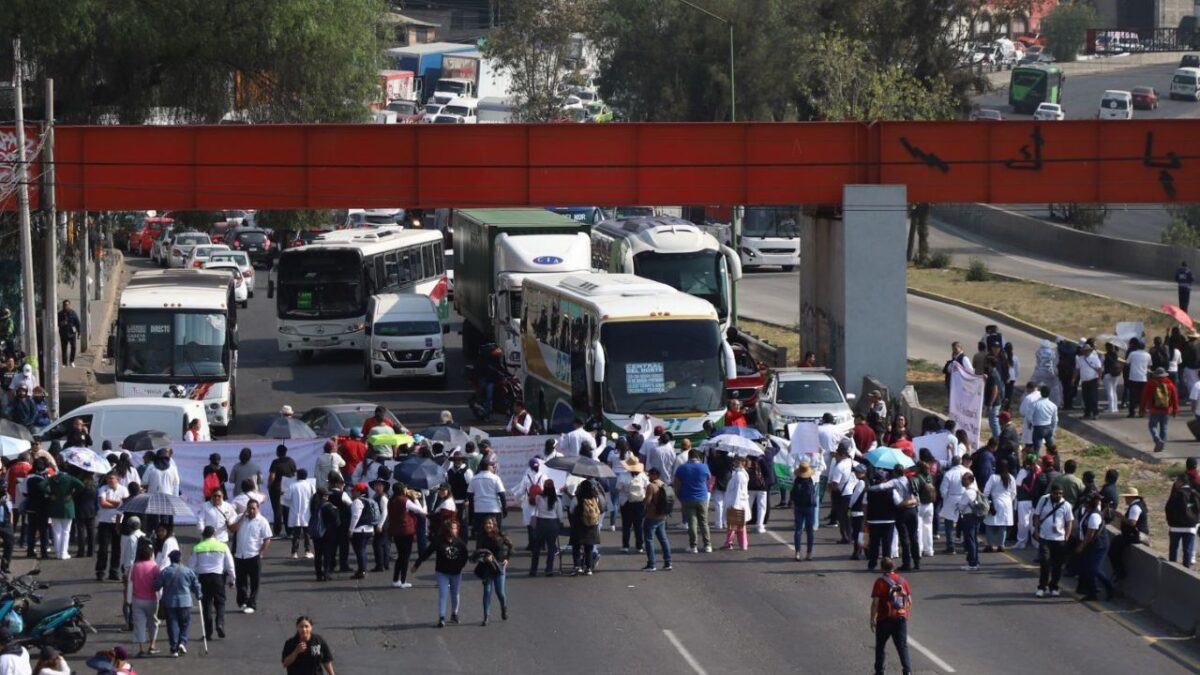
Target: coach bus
x: 770, y: 236
x: 321, y: 290
x: 1030, y: 86
x: 672, y: 251
x: 175, y: 336
x: 616, y: 346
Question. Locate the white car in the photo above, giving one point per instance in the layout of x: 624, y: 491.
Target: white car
x: 431, y: 111
x: 802, y: 395
x: 182, y: 245
x: 243, y: 262
x: 1116, y: 105
x: 200, y: 254
x: 1049, y: 112
x: 241, y: 290
x: 160, y: 249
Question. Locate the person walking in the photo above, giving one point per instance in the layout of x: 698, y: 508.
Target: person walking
x: 61, y: 489
x: 450, y: 558
x: 214, y: 567
x: 178, y: 584
x: 1051, y: 527
x: 1139, y: 362
x: 547, y: 520
x: 1088, y: 369
x: 401, y: 528
x: 856, y: 508
x: 253, y: 541
x: 280, y: 476
x: 970, y: 513
x: 891, y: 605
x: 951, y: 491
x: 1183, y: 516
x: 364, y: 514
x: 493, y: 553
x: 1161, y: 399
x: 324, y: 522
x: 307, y: 653
x: 691, y: 485
x: 1112, y: 367
x: 1043, y: 418
x: 585, y: 520
x: 804, y: 502
x: 296, y: 499
x: 925, y: 482
x: 143, y: 599
x: 737, y: 499
x: 660, y: 501
x: 1027, y: 494
x: 1183, y: 282
x: 880, y: 519
x: 110, y: 496
x: 68, y: 332
x: 1001, y: 491
x: 631, y: 495
x: 486, y: 493
x: 85, y: 517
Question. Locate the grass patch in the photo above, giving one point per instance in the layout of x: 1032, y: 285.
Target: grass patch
x: 1064, y: 312
x: 1097, y: 451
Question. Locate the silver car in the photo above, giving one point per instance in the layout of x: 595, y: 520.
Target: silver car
x: 182, y: 244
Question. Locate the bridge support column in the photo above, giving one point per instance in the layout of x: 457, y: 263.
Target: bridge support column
x: 853, y: 311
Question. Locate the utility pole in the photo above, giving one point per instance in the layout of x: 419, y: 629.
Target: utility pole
x: 81, y: 223
x: 50, y: 308
x: 22, y: 174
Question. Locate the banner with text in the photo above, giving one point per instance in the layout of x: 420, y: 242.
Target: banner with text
x: 966, y: 402
x: 512, y: 459
x: 940, y: 445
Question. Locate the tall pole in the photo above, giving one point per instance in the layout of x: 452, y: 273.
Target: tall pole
x: 50, y: 308
x: 81, y: 223
x: 22, y: 174
x: 732, y: 82
x: 735, y: 220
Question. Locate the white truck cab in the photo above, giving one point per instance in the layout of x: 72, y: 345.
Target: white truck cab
x: 405, y: 338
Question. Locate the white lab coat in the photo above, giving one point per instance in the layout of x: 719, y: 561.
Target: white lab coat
x: 952, y: 491
x: 1002, y: 500
x: 298, y: 498
x: 737, y: 493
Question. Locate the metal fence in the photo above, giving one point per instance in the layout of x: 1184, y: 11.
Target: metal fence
x: 1138, y: 40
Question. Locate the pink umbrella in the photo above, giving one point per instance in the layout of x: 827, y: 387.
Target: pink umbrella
x: 1179, y: 315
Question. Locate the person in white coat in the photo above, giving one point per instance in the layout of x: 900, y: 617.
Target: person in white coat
x: 1032, y: 395
x: 298, y: 500
x: 737, y: 500
x: 1001, y: 488
x: 951, y: 490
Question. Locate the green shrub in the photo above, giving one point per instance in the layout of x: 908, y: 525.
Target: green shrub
x: 977, y: 270
x: 936, y: 260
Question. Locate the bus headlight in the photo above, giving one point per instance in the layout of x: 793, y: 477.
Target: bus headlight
x: 378, y: 355
x: 288, y: 330
x: 439, y: 354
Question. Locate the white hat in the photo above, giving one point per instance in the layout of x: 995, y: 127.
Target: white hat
x: 286, y: 410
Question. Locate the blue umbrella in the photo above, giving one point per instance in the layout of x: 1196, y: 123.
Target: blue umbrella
x: 419, y: 473
x: 745, y: 432
x: 887, y: 458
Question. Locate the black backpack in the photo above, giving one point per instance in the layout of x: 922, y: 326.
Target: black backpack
x: 665, y: 501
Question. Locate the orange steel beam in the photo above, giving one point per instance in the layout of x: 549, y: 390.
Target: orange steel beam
x: 367, y: 165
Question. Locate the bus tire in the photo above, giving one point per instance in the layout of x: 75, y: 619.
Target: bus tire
x: 305, y: 355
x: 789, y: 268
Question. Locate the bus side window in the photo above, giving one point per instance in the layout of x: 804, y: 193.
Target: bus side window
x: 428, y: 267
x: 380, y: 272
x: 392, y: 265
x: 439, y: 259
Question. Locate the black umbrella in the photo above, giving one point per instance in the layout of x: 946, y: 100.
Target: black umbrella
x: 584, y: 467
x: 419, y: 473
x: 287, y: 427
x: 146, y: 440
x: 449, y: 436
x: 13, y: 430
x: 158, y: 504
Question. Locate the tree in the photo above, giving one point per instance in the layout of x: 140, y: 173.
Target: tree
x: 1184, y: 227
x: 294, y: 220
x: 1065, y: 28
x: 534, y: 44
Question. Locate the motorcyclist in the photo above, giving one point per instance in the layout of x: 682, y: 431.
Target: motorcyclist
x: 494, y: 371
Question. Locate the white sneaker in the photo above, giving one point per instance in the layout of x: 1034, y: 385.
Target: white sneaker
x: 308, y: 555
x: 760, y: 529
x: 295, y: 556
x: 692, y: 549
x: 708, y: 549
x: 182, y: 649
x: 624, y: 549
x: 248, y: 610
x: 406, y: 585
x: 241, y: 608
x: 1055, y: 594
x: 1040, y: 593
x: 397, y: 584
x: 73, y: 365
x: 612, y: 528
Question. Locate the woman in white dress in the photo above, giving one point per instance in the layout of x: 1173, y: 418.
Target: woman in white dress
x: 1001, y: 488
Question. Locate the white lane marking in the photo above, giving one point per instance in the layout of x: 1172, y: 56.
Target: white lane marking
x: 687, y: 656
x: 930, y: 655
x: 937, y: 661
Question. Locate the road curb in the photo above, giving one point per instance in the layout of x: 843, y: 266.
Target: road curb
x: 994, y: 314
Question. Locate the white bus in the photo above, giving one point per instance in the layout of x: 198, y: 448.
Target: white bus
x: 616, y: 345
x: 176, y: 336
x: 771, y: 236
x: 323, y: 288
x: 672, y: 251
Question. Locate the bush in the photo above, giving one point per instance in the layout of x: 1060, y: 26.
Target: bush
x: 1097, y: 451
x: 977, y: 270
x: 1184, y: 227
x: 1065, y: 28
x: 936, y: 260
x: 1084, y: 217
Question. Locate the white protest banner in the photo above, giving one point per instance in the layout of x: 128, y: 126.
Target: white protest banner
x: 191, y: 458
x: 966, y: 401
x: 936, y: 445
x: 512, y: 459
x: 804, y: 437
x: 1131, y: 329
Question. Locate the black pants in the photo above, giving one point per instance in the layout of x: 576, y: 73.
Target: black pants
x: 1067, y: 380
x: 1051, y: 555
x: 880, y: 535
x: 632, y: 516
x: 841, y: 507
x: 85, y: 537
x: 895, y: 630
x: 908, y: 527
x: 1185, y: 296
x: 37, y: 524
x: 1091, y: 396
x: 297, y: 533
x: 326, y: 555
x: 213, y: 602
x: 108, y: 554
x: 343, y: 550
x: 404, y: 545
x: 1135, y: 396
x: 278, y: 515
x: 248, y: 570
x: 6, y: 540
x: 69, y: 340
x: 381, y: 550
x: 361, y: 541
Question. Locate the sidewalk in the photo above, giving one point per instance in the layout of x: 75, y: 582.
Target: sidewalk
x: 77, y: 384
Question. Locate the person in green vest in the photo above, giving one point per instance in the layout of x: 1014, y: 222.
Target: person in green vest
x: 61, y: 490
x: 213, y: 564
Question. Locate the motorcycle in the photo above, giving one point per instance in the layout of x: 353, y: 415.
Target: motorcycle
x: 505, y: 394
x: 57, y: 622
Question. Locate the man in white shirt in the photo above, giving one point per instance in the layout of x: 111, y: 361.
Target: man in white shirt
x: 486, y: 493
x: 1043, y: 417
x: 576, y: 438
x: 298, y: 500
x: 661, y: 455
x: 1031, y: 396
x: 253, y: 540
x: 218, y: 514
x: 1088, y: 369
x: 1052, y: 521
x: 1139, y: 371
x: 329, y: 460
x: 951, y: 490
x: 110, y: 497
x: 827, y: 438
x: 841, y: 477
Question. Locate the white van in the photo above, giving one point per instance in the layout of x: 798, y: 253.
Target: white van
x: 406, y: 338
x: 1186, y: 84
x: 1116, y: 105
x: 116, y: 418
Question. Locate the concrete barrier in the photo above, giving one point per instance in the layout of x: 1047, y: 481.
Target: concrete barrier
x: 1178, y: 599
x: 1066, y: 244
x: 1144, y: 582
x: 761, y: 350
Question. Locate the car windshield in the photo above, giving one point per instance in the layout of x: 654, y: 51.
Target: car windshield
x: 662, y: 366
x: 191, y: 239
x: 699, y: 273
x: 355, y: 419
x: 1115, y: 104
x: 456, y: 110
x: 407, y: 328
x: 1143, y: 91
x: 432, y: 108
x: 803, y: 392
x: 163, y: 346
x: 316, y: 283
x: 402, y: 107
x: 239, y: 257
x: 205, y: 251
x: 251, y: 237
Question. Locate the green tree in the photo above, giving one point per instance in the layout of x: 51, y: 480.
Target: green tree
x: 294, y: 220
x: 534, y: 44
x: 1184, y: 227
x: 1065, y: 28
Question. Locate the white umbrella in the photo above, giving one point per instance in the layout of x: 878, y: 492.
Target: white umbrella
x: 734, y: 445
x: 11, y: 447
x: 86, y: 459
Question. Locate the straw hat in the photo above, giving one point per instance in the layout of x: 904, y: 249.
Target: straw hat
x: 803, y: 470
x: 1130, y: 492
x: 632, y: 464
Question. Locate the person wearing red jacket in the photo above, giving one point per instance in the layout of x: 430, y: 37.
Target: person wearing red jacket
x: 1160, y: 399
x: 380, y: 418
x: 352, y: 450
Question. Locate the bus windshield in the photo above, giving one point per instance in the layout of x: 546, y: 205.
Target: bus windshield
x: 164, y: 346
x: 1028, y: 83
x: 768, y: 222
x: 662, y: 366
x: 319, y: 283
x: 698, y: 273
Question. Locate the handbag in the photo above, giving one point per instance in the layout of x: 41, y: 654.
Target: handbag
x: 487, y: 568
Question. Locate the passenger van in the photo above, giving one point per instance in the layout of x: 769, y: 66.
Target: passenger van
x: 1186, y: 84
x: 1116, y: 105
x: 405, y: 338
x: 115, y: 418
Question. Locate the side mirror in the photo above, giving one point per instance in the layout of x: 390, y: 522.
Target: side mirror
x: 270, y: 288
x: 730, y: 364
x: 599, y: 362
x: 110, y: 347
x: 734, y: 261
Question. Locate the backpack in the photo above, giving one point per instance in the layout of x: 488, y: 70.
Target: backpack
x: 316, y: 524
x: 898, y: 603
x: 370, y: 512
x: 589, y: 512
x: 665, y: 500
x: 534, y: 491
x: 981, y: 505
x: 1162, y: 395
x: 1159, y: 357
x: 211, y: 482
x: 925, y: 491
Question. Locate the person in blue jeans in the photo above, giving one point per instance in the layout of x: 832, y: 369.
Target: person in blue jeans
x: 970, y: 522
x: 178, y: 584
x: 654, y: 524
x: 804, y: 506
x: 450, y: 557
x: 1093, y: 549
x: 494, y: 547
